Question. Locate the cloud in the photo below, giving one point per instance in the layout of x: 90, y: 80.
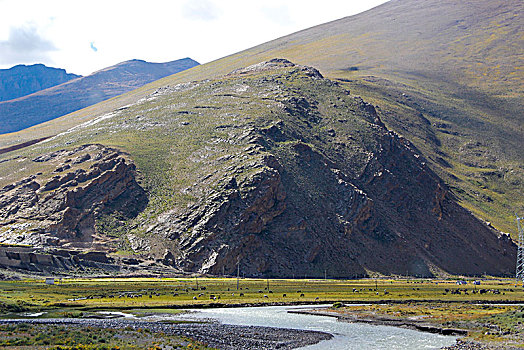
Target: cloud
x: 93, y: 47
x: 203, y: 10
x: 25, y: 45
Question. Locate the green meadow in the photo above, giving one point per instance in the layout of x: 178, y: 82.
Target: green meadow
x: 73, y: 296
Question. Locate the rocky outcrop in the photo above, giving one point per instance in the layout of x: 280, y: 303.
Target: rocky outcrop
x: 62, y: 206
x: 276, y: 63
x: 226, y: 219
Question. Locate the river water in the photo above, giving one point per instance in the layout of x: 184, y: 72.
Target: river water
x: 346, y: 335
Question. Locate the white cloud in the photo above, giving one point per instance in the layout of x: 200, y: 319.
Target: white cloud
x: 25, y: 45
x: 203, y: 10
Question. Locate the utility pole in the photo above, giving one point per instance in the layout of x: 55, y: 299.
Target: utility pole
x: 325, y: 274
x: 238, y: 272
x: 519, y: 270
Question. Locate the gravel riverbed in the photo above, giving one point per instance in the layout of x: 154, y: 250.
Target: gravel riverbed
x: 221, y: 336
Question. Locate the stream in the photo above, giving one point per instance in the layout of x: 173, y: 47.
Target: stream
x: 346, y: 335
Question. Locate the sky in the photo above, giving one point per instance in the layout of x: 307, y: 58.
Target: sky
x: 85, y: 36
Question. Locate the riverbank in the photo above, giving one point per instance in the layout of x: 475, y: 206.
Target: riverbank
x: 417, y: 325
x: 213, y: 334
x: 480, y: 327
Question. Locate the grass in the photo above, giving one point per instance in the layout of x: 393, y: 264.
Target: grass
x: 47, y: 336
x: 164, y: 294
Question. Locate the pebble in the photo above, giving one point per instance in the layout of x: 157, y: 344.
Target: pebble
x: 470, y: 345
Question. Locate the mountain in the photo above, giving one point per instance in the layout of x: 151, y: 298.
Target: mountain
x: 23, y: 80
x: 393, y: 164
x: 82, y: 92
x: 272, y: 166
x: 444, y: 74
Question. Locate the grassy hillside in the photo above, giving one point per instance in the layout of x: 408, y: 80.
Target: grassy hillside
x: 447, y: 75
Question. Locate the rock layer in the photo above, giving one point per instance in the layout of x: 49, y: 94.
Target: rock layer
x: 47, y: 209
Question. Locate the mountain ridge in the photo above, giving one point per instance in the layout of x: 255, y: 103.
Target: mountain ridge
x: 82, y: 92
x: 22, y: 80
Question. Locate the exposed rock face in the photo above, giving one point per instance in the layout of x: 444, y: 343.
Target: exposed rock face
x: 90, y: 181
x: 276, y: 63
x: 229, y: 218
